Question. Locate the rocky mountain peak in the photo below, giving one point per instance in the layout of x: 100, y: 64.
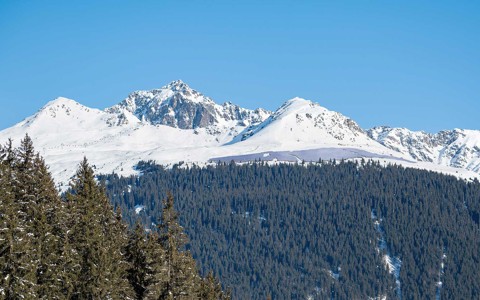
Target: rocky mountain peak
x: 457, y: 148
x: 177, y: 86
x: 183, y: 90
x: 178, y: 105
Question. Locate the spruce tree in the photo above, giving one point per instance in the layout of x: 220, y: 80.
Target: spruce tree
x: 24, y: 250
x: 147, y: 263
x: 49, y: 231
x: 181, y: 272
x: 156, y: 278
x: 8, y: 224
x: 97, y: 237
x: 35, y: 230
x: 211, y: 289
x: 20, y: 256
x: 117, y: 231
x: 136, y: 255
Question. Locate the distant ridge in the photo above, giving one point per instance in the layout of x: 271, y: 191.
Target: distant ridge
x: 179, y: 124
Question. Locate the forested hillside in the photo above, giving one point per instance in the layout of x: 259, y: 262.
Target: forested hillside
x: 334, y: 230
x: 77, y: 247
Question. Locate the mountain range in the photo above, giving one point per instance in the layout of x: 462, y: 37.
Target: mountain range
x: 177, y: 124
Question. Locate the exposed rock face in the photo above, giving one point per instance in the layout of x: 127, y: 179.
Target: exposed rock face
x: 177, y: 105
x: 456, y: 148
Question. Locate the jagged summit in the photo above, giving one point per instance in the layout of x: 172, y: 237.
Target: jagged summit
x: 177, y: 105
x: 177, y: 85
x: 458, y: 148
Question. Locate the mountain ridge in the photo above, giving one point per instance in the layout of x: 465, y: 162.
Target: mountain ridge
x: 458, y: 147
x: 178, y: 124
x: 178, y: 105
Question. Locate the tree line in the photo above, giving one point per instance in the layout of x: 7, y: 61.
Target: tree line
x: 75, y: 246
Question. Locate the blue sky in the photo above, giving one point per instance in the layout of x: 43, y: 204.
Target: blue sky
x: 412, y: 64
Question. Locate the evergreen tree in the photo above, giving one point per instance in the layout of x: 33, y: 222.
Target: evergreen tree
x: 24, y: 188
x: 157, y: 279
x: 211, y: 289
x: 34, y: 235
x: 80, y: 248
x: 117, y: 232
x: 182, y: 279
x: 136, y: 255
x: 23, y: 256
x: 48, y: 227
x: 96, y: 235
x: 146, y: 257
x: 8, y: 225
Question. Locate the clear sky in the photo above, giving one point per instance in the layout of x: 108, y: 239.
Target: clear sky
x: 413, y: 64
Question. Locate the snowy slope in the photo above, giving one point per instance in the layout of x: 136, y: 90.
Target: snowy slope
x: 176, y: 123
x: 300, y: 123
x: 65, y: 131
x: 455, y: 148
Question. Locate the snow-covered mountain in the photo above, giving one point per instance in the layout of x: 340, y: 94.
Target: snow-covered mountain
x: 177, y: 105
x: 307, y: 123
x: 455, y: 148
x: 178, y: 124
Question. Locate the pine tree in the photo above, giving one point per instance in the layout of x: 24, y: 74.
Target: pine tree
x: 181, y: 272
x: 211, y: 289
x: 34, y: 233
x: 49, y: 232
x: 136, y: 255
x: 117, y: 231
x: 23, y: 250
x: 96, y: 236
x: 147, y: 264
x: 8, y: 224
x: 157, y: 266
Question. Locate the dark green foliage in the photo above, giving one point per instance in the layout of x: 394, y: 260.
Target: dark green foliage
x: 10, y: 248
x: 181, y: 271
x: 97, y: 237
x: 33, y: 237
x: 146, y: 271
x: 291, y: 231
x: 211, y: 289
x: 78, y: 247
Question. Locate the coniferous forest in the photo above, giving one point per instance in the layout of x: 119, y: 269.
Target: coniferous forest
x: 78, y: 247
x: 332, y: 230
